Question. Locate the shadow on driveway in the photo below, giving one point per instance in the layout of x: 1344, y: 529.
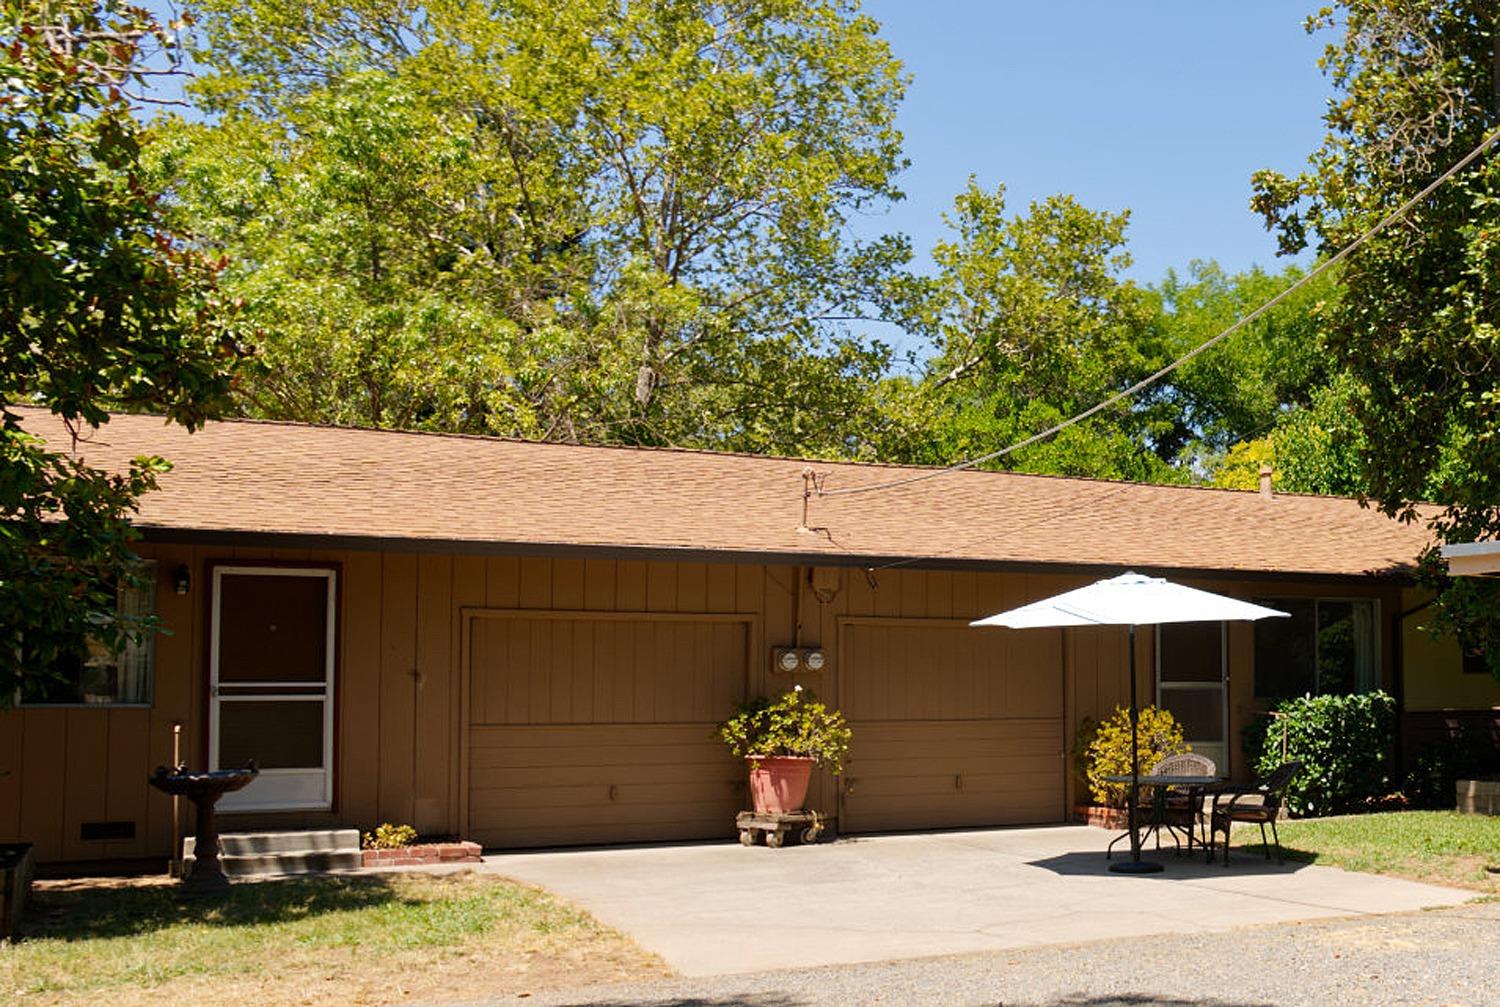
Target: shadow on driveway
x: 1089, y: 863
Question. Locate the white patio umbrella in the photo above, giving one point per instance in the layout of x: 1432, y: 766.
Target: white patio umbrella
x: 1132, y: 600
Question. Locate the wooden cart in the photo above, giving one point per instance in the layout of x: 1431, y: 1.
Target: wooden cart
x: 805, y: 827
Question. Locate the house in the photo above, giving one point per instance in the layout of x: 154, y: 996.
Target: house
x: 529, y: 644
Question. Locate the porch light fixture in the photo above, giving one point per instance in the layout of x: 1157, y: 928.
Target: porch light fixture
x: 182, y: 580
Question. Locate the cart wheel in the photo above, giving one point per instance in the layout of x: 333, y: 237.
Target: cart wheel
x: 747, y: 837
x: 775, y: 839
x: 810, y: 835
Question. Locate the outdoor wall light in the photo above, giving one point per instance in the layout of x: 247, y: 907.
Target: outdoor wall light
x: 182, y: 579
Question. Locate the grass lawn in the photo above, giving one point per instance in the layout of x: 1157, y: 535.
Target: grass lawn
x: 355, y: 939
x: 1441, y: 847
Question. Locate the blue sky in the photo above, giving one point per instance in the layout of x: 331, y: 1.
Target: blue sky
x: 1161, y: 107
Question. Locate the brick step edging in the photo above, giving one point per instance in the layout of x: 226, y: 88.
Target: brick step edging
x: 424, y: 853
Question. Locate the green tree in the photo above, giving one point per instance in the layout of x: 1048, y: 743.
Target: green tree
x: 577, y: 220
x: 101, y: 307
x: 1416, y: 328
x: 1248, y: 384
x: 1032, y: 322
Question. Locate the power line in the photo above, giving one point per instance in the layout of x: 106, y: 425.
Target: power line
x: 1202, y: 347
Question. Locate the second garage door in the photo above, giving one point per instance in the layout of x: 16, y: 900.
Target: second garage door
x: 953, y: 726
x: 587, y: 729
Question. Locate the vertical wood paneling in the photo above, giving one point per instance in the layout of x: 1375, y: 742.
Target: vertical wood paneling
x: 129, y: 753
x: 568, y: 591
x: 469, y: 574
x: 11, y: 734
x: 661, y: 587
x: 692, y: 587
x: 86, y: 780
x: 44, y: 790
x: 719, y: 587
x: 181, y: 665
x: 360, y: 690
x: 599, y: 584
x: 536, y: 582
x: 398, y: 664
x: 503, y: 582
x: 630, y: 586
x: 434, y: 693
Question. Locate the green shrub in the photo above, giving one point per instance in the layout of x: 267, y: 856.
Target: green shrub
x: 795, y: 724
x: 1343, y: 742
x: 390, y: 837
x: 1466, y: 754
x: 1108, y: 751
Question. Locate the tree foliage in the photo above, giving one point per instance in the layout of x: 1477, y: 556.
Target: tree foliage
x: 1415, y: 330
x: 101, y: 307
x: 585, y: 221
x: 1031, y: 321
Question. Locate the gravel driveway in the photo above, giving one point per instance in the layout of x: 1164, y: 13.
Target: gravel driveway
x: 1442, y: 958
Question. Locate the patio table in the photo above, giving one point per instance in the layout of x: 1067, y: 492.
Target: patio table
x: 1195, y: 786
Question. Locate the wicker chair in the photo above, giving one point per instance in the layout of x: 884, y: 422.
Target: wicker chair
x: 1181, y: 807
x: 1259, y: 804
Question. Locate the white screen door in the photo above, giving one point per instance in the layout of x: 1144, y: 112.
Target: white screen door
x: 1191, y: 674
x: 271, y: 657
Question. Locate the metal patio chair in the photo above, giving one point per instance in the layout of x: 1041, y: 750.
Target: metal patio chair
x: 1259, y: 804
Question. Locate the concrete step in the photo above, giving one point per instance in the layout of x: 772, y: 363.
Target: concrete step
x: 246, y: 844
x: 244, y: 865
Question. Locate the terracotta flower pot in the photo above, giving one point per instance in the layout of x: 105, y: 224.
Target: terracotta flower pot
x: 778, y: 783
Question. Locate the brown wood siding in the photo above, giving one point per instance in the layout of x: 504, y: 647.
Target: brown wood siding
x: 403, y: 736
x: 953, y: 726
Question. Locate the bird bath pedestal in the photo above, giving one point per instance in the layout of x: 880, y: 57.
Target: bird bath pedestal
x: 204, y: 790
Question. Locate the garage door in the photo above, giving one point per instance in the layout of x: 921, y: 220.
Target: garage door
x: 953, y: 726
x: 584, y: 729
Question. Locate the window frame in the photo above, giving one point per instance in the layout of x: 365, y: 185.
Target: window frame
x: 150, y: 572
x: 1377, y: 642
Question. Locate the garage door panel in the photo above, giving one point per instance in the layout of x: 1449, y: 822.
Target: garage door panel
x: 939, y: 811
x: 1019, y: 769
x: 605, y: 729
x: 937, y: 740
x: 508, y: 806
x: 941, y: 783
x: 570, y: 776
x: 953, y: 727
x: 616, y: 832
x: 876, y: 732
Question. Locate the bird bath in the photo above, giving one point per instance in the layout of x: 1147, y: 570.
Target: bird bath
x: 204, y: 790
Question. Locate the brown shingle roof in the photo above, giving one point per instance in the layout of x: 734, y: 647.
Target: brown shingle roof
x: 292, y: 479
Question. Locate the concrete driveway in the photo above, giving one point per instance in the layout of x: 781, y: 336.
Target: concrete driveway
x: 722, y: 908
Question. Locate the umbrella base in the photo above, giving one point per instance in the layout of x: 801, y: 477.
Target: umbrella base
x: 1136, y: 867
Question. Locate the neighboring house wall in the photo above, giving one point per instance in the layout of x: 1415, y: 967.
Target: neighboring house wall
x: 984, y: 717
x: 1440, y: 696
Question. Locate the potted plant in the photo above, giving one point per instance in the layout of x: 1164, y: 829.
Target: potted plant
x: 782, y: 740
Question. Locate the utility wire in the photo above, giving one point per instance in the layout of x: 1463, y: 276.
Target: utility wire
x: 1202, y: 347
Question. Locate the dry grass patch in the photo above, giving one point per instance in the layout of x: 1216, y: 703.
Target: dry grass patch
x: 354, y: 939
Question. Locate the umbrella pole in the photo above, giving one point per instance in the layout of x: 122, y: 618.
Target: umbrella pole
x: 1135, y: 865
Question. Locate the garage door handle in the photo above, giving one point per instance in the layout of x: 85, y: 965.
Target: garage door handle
x: 614, y: 792
x: 958, y: 782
